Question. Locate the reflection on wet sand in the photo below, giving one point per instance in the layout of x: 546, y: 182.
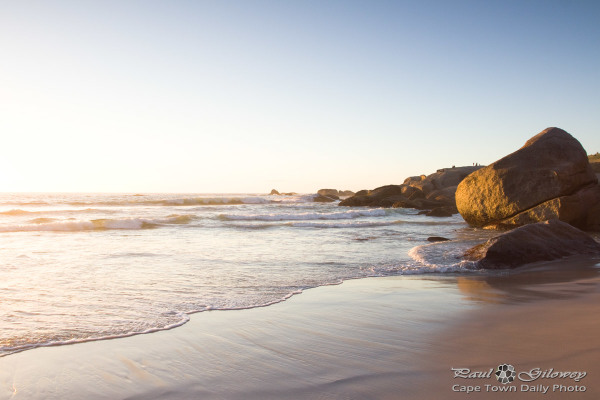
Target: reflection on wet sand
x: 562, y: 279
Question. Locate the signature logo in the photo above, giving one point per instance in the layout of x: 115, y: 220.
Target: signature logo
x: 505, y: 373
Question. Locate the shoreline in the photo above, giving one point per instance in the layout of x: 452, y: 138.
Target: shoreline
x: 365, y: 338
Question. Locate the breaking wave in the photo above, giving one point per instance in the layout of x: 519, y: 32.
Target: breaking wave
x: 43, y: 224
x: 443, y: 256
x: 18, y: 212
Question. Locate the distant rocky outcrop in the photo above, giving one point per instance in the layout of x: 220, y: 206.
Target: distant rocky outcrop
x: 549, y: 177
x: 334, y: 193
x: 542, y: 241
x: 432, y: 192
x: 276, y: 193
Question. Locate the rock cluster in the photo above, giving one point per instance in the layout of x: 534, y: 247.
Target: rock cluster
x: 434, y: 192
x: 334, y: 193
x: 274, y: 192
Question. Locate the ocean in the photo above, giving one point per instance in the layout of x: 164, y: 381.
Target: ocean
x: 81, y: 267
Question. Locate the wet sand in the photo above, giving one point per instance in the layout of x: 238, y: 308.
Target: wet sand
x: 376, y: 338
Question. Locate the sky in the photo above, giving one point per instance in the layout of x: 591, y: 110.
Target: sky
x: 247, y: 96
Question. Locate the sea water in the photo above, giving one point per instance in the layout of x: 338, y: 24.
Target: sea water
x: 80, y: 267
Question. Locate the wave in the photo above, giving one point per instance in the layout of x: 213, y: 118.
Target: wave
x: 18, y: 212
x: 351, y: 214
x: 443, y: 256
x: 209, y: 201
x: 42, y: 220
x: 98, y: 224
x: 184, y: 201
x: 142, y: 201
x: 153, y: 200
x: 319, y: 225
x: 365, y: 224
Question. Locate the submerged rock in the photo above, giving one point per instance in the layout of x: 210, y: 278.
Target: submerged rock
x: 549, y: 177
x: 447, y: 211
x: 542, y: 241
x: 437, y: 239
x: 324, y: 199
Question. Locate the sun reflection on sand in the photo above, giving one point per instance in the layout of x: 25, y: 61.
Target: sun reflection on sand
x: 562, y: 279
x: 478, y: 290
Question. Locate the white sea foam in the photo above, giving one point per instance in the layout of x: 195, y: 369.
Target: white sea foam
x: 7, y: 350
x: 350, y: 214
x: 50, y: 226
x: 181, y: 319
x: 442, y: 256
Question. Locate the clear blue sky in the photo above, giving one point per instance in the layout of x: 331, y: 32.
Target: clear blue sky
x: 245, y: 96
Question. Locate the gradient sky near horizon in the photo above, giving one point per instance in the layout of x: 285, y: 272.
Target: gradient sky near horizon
x: 246, y: 96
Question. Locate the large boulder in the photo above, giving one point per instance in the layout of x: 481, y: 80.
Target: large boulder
x: 542, y: 241
x: 551, y: 167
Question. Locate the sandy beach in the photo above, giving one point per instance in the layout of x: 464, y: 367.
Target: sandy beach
x: 374, y: 338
